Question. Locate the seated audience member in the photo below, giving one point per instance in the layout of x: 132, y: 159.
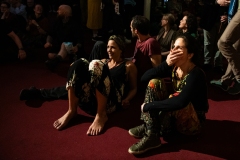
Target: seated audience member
x: 188, y: 24
x: 107, y: 85
x: 182, y: 111
x: 37, y: 28
x: 11, y: 46
x: 16, y: 22
x: 18, y: 8
x: 64, y: 34
x: 166, y: 33
x: 147, y: 53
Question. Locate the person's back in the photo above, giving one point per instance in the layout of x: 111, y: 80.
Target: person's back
x: 147, y: 52
x: 143, y: 51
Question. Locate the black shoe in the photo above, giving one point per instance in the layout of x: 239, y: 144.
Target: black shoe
x: 149, y: 141
x: 138, y: 132
x: 30, y: 94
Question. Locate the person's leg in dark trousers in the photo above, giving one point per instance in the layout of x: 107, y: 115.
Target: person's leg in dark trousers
x: 99, y: 51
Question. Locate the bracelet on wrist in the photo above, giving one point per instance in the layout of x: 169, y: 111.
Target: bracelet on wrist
x: 21, y: 49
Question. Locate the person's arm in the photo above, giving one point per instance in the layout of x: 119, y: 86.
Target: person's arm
x: 223, y: 2
x: 195, y: 82
x: 48, y: 42
x: 15, y: 38
x: 132, y: 78
x: 156, y: 60
x: 3, y: 15
x: 162, y: 70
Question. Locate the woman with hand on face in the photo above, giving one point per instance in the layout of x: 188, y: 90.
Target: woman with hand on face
x: 100, y: 87
x: 184, y: 110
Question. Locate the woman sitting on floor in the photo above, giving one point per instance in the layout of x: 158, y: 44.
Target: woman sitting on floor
x: 184, y: 111
x: 99, y: 87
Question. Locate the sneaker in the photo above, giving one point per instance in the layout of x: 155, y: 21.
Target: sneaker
x: 29, y: 94
x: 235, y: 89
x: 219, y: 84
x: 149, y: 141
x: 137, y: 132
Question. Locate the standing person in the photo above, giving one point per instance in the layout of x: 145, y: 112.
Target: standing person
x: 184, y: 111
x: 229, y: 45
x: 94, y: 20
x: 147, y: 53
x: 107, y: 85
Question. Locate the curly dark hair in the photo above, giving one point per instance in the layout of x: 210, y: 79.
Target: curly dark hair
x: 191, y: 23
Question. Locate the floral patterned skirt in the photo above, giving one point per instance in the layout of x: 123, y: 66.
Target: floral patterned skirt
x: 185, y: 121
x: 85, y: 78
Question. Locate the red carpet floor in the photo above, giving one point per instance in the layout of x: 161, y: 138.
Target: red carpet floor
x: 26, y: 131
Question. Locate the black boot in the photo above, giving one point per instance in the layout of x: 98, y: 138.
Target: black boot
x: 150, y: 140
x: 30, y: 94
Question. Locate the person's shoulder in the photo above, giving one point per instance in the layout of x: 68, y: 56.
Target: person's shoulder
x: 197, y: 72
x: 129, y: 64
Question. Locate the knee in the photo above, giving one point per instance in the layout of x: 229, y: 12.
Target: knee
x: 156, y: 83
x: 220, y: 43
x: 96, y: 65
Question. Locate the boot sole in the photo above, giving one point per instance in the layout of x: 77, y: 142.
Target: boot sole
x: 134, y: 135
x: 140, y: 152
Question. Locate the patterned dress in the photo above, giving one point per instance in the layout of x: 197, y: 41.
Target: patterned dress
x: 86, y: 77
